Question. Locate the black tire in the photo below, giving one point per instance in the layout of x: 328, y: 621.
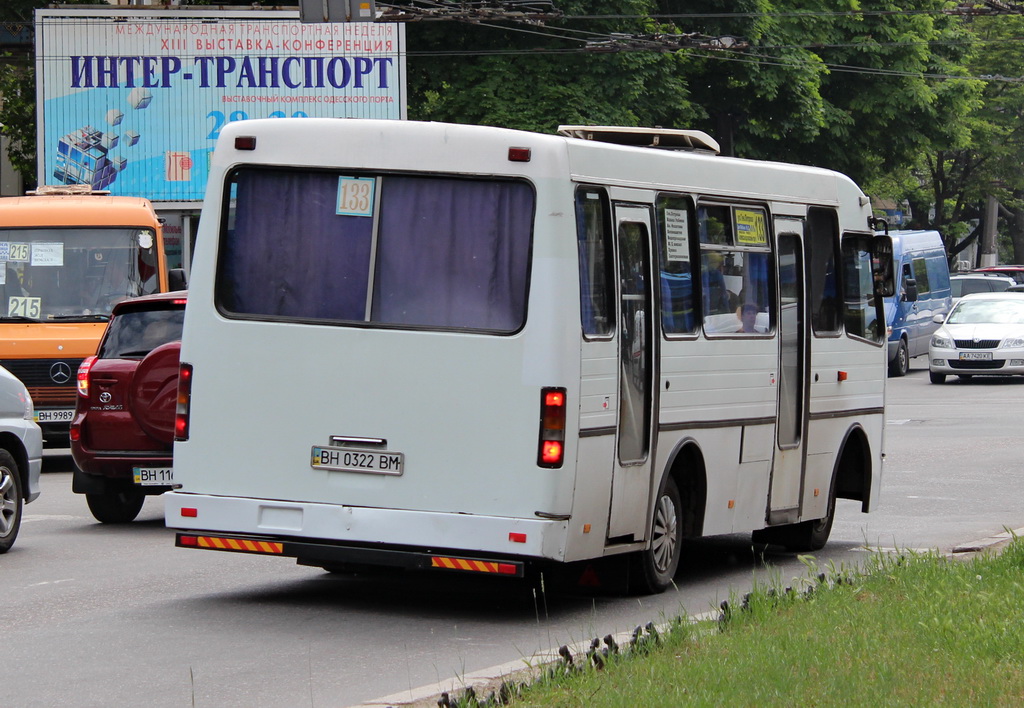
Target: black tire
x: 900, y: 365
x: 657, y: 565
x: 116, y: 506
x: 11, y: 501
x: 936, y: 378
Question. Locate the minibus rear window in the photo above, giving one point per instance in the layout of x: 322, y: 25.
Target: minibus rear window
x: 417, y: 251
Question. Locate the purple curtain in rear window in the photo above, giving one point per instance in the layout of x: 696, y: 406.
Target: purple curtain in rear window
x: 451, y: 253
x: 290, y: 255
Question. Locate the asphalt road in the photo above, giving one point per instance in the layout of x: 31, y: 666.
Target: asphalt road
x: 100, y: 616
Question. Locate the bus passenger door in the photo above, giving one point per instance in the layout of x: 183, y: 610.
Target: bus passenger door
x: 788, y: 470
x: 631, y: 476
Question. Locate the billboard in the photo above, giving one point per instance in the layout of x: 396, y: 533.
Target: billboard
x: 132, y: 101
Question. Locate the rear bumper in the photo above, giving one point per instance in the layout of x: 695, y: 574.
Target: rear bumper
x: 337, y: 526
x: 333, y: 554
x: 117, y: 464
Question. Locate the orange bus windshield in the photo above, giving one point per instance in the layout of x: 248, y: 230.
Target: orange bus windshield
x: 74, y: 273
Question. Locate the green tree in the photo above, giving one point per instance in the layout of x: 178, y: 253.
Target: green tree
x: 951, y: 180
x: 18, y: 89
x: 533, y: 78
x: 843, y: 85
x: 998, y: 145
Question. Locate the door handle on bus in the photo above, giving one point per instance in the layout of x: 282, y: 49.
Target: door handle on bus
x: 344, y: 440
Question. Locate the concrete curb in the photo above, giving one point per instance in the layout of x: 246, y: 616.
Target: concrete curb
x: 490, y: 679
x: 990, y: 542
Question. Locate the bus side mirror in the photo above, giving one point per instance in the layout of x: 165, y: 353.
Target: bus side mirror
x: 881, y: 264
x: 176, y: 279
x: 909, y: 290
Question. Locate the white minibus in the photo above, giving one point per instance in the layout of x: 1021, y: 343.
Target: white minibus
x: 481, y: 350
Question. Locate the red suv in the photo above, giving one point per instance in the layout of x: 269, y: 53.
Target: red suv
x: 123, y: 430
x: 1014, y: 271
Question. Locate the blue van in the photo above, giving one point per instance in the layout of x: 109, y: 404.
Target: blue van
x: 921, y: 270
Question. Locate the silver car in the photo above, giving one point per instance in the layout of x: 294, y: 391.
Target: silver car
x: 21, y: 456
x: 980, y: 282
x: 983, y: 335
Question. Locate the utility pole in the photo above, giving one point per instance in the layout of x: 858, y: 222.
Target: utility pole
x: 988, y: 254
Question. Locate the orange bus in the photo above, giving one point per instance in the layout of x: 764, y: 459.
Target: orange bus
x: 67, y: 254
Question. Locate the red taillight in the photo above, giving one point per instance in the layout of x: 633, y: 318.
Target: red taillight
x: 517, y: 154
x: 83, y: 375
x: 181, y: 411
x: 75, y: 433
x: 245, y: 142
x: 552, y: 427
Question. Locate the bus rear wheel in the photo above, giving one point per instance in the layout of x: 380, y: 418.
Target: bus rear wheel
x: 659, y: 562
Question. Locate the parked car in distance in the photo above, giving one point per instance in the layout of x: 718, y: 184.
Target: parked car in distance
x: 982, y: 336
x: 962, y: 284
x: 921, y: 292
x: 122, y: 434
x: 1014, y: 271
x: 21, y: 456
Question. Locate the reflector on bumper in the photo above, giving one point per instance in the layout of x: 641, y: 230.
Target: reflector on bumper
x: 475, y: 566
x: 218, y: 543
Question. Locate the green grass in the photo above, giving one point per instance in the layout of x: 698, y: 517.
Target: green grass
x: 910, y: 630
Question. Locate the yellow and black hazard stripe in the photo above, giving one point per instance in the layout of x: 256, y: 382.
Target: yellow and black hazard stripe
x: 220, y: 543
x: 476, y: 566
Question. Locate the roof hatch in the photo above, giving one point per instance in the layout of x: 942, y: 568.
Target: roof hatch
x: 663, y: 138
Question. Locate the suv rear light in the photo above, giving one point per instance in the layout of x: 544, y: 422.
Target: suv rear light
x: 83, y: 375
x: 181, y: 411
x: 552, y: 427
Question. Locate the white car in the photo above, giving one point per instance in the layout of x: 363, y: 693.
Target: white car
x: 983, y: 335
x: 21, y: 456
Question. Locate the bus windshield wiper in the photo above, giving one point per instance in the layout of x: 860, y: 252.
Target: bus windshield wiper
x: 81, y: 318
x: 18, y: 318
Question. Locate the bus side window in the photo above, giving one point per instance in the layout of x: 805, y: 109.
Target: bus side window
x: 734, y: 268
x: 822, y: 255
x: 675, y: 265
x: 863, y: 319
x: 593, y: 236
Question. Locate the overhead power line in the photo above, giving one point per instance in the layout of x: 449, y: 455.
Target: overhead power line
x: 663, y: 42
x: 535, y: 12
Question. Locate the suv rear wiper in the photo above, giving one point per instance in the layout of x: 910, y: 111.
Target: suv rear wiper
x: 137, y: 352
